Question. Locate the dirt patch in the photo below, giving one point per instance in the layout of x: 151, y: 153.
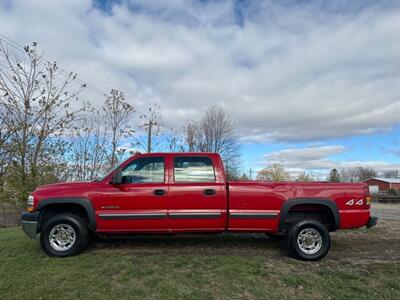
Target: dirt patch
x: 386, y: 211
x: 9, y: 218
x: 381, y: 243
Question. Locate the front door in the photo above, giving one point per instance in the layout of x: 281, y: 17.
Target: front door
x: 139, y: 203
x: 196, y: 198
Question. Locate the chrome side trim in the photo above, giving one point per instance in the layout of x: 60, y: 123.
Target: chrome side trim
x: 30, y: 228
x: 195, y: 215
x: 251, y: 215
x: 133, y: 216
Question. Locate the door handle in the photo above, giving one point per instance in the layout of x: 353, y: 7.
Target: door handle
x: 209, y: 192
x: 159, y: 192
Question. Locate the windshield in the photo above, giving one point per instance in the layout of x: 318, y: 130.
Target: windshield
x: 102, y: 177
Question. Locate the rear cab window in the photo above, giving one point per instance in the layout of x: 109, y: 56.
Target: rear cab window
x: 193, y: 169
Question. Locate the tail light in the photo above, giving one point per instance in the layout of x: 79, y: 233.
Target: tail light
x: 368, y: 198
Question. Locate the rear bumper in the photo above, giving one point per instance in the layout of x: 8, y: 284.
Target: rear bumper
x: 372, y: 222
x: 29, y: 224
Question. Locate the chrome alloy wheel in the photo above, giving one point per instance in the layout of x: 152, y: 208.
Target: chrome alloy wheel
x: 62, y: 237
x: 309, y: 240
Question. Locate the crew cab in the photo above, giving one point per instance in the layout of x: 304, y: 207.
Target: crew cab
x: 188, y: 192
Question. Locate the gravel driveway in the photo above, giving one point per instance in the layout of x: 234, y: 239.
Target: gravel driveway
x: 386, y: 211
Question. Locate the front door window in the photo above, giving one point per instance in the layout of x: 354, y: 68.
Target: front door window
x: 144, y: 170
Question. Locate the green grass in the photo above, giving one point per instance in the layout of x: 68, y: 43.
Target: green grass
x: 112, y: 270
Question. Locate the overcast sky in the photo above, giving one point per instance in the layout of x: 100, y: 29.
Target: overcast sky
x: 310, y: 84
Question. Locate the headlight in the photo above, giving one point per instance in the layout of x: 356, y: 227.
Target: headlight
x: 29, y: 204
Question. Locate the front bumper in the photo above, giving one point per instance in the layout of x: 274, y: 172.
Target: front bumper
x: 29, y: 223
x: 372, y: 222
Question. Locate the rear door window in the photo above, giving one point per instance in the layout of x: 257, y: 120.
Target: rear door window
x: 193, y: 169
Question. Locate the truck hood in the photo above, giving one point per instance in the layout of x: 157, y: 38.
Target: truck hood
x: 64, y: 185
x: 67, y: 189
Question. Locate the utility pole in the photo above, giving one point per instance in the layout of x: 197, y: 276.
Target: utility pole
x: 150, y: 133
x: 150, y: 124
x: 151, y: 120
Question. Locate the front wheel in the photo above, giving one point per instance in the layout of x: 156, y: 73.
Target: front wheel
x: 308, y: 240
x: 64, y: 235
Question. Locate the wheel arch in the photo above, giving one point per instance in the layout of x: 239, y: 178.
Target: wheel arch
x: 81, y: 202
x: 290, y: 203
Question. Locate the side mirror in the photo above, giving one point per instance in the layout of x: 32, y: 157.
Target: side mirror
x: 117, y: 178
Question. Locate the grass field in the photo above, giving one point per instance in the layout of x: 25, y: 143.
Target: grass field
x: 362, y: 264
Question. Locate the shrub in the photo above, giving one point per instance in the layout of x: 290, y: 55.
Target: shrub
x: 393, y: 192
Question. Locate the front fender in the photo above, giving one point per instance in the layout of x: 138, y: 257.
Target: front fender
x: 85, y: 203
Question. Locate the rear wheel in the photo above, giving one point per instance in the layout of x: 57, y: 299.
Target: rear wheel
x: 308, y: 240
x: 64, y: 235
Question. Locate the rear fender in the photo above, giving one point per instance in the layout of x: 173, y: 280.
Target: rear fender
x: 301, y: 201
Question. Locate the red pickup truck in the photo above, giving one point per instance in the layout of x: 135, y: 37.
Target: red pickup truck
x: 188, y: 192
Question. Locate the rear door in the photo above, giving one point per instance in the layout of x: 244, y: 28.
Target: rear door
x: 197, y: 197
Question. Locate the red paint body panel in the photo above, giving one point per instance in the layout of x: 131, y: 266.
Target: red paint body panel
x: 189, y: 199
x: 235, y: 206
x: 129, y: 198
x: 353, y: 218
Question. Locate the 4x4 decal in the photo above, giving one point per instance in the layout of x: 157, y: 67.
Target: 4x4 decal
x: 355, y: 202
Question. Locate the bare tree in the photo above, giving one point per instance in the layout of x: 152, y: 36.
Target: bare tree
x: 218, y: 136
x: 5, y: 148
x: 191, y: 135
x: 392, y: 174
x: 357, y: 174
x: 215, y: 133
x: 349, y: 175
x: 117, y: 112
x: 174, y: 141
x: 36, y: 97
x: 243, y: 177
x: 89, y: 142
x: 274, y: 172
x: 305, y: 177
x: 365, y: 173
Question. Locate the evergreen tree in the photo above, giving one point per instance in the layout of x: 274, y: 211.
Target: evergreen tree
x: 334, y: 176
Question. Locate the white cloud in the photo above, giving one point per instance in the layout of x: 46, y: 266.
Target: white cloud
x: 289, y: 73
x: 319, y: 159
x: 305, y: 154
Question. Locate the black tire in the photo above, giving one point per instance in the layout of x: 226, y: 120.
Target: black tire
x: 302, y: 228
x: 79, y: 232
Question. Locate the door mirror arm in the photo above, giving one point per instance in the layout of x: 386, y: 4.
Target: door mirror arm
x: 117, y: 177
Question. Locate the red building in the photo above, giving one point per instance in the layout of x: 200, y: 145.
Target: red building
x: 377, y: 185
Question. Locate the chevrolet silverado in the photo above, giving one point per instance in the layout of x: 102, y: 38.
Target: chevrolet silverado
x: 188, y: 192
